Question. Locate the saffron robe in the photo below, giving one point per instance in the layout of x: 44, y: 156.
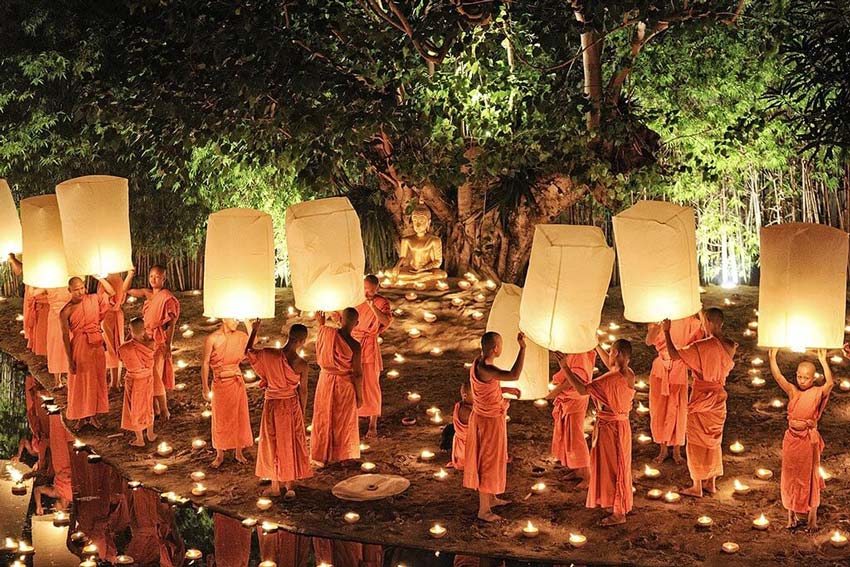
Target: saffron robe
x: 231, y: 541
x: 459, y: 441
x: 161, y: 307
x: 87, y: 389
x: 710, y: 364
x: 800, y: 481
x: 611, y: 450
x: 37, y: 417
x: 285, y: 548
x: 137, y: 413
x: 92, y: 510
x: 57, y: 357
x: 36, y: 310
x: 486, y: 459
x: 60, y: 455
x: 155, y: 539
x: 231, y: 422
x: 336, y: 436
x: 366, y: 332
x: 282, y: 451
x: 568, y: 443
x: 113, y: 320
x: 337, y: 552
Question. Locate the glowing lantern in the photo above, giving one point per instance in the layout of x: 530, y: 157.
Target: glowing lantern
x: 43, y: 246
x: 656, y: 248
x: 326, y: 257
x: 533, y: 383
x: 559, y: 310
x: 95, y: 212
x: 239, y: 265
x: 10, y: 224
x: 803, y: 286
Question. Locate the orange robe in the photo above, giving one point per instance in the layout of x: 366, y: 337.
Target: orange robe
x: 60, y: 455
x: 366, y: 333
x: 113, y: 321
x: 802, y: 446
x: 337, y: 552
x: 568, y: 443
x: 161, y: 307
x: 285, y: 548
x: 611, y: 451
x: 137, y: 413
x: 231, y: 541
x: 87, y: 390
x: 486, y: 458
x: 373, y: 555
x: 37, y: 417
x: 282, y: 451
x: 336, y: 436
x: 231, y: 422
x: 92, y: 506
x: 710, y: 364
x: 668, y: 384
x: 36, y: 309
x: 155, y: 540
x: 57, y: 357
x: 459, y: 441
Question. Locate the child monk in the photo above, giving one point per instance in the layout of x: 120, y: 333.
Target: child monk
x: 568, y: 443
x: 668, y: 387
x: 710, y: 360
x: 282, y: 451
x: 224, y: 349
x: 460, y: 421
x: 339, y: 392
x: 35, y: 310
x: 88, y: 394
x: 137, y: 356
x: 160, y: 311
x: 375, y: 315
x: 610, y: 484
x: 57, y: 358
x: 800, y: 481
x: 486, y: 458
x: 113, y: 323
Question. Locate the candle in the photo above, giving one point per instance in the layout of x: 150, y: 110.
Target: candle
x: 777, y: 404
x: 164, y: 449
x: 727, y: 301
x: 199, y: 489
x: 19, y: 317
x: 463, y: 284
x: 643, y: 438
x: 392, y: 374
x: 79, y: 445
x: 264, y: 503
x: 441, y: 474
x: 577, y: 540
x: 134, y: 484
x: 193, y: 554
x: 844, y: 385
x: 351, y: 517
x: 410, y: 296
x: 477, y: 315
x: 480, y: 297
x: 10, y: 544
x: 398, y: 358
x: 436, y: 352
x: 160, y: 468
x: 90, y: 549
x: 757, y: 382
x: 753, y: 324
x: 541, y: 403
x: 432, y: 411
x: 419, y: 285
x: 207, y: 413
x: 25, y: 548
x: 838, y: 539
x: 198, y: 443
x: 754, y: 371
x: 823, y: 474
x: 704, y: 522
x: 180, y: 386
x: 61, y: 518
x: 277, y: 344
x: 249, y: 375
x: 730, y: 547
x: 181, y: 364
x: 538, y: 488
x: 736, y: 447
x: 76, y: 537
x: 94, y: 458
x: 364, y: 448
x: 650, y: 472
x: 761, y: 523
x: 188, y: 334
x: 457, y: 301
x: 672, y: 497
x: 642, y: 409
x: 757, y: 361
x: 429, y: 317
x: 437, y: 531
x: 640, y: 385
x: 267, y: 563
x: 367, y: 467
x: 124, y: 560
x: 269, y: 527
x: 530, y: 530
x: 764, y: 474
x: 88, y: 563
x: 413, y: 397
x: 426, y: 455
x: 740, y: 487
x: 249, y: 522
x: 19, y: 489
x: 414, y: 333
x: 437, y: 419
x: 442, y: 285
x: 749, y: 333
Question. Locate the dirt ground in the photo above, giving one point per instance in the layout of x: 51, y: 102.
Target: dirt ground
x: 657, y: 533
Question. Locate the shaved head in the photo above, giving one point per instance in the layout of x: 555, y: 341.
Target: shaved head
x: 806, y: 367
x: 623, y: 346
x: 714, y: 315
x: 489, y: 340
x: 75, y: 280
x: 350, y: 316
x: 158, y: 268
x: 372, y: 279
x: 297, y: 332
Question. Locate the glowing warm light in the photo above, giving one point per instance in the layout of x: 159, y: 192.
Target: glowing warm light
x: 43, y: 246
x: 124, y: 560
x: 10, y: 225
x: 530, y: 530
x: 824, y: 474
x: 368, y: 467
x: 477, y: 315
x: 757, y: 361
x: 641, y: 385
x: 643, y: 438
x: 199, y: 489
x: 413, y: 397
x: 436, y: 352
x: 392, y: 374
x: 25, y: 548
x: 761, y: 523
x: 704, y: 521
x: 748, y: 333
x: 198, y: 476
x: 463, y: 284
x: 757, y: 382
x: 437, y: 531
x: 442, y: 285
x: 642, y: 409
x: 429, y: 317
x: 61, y: 518
x: 164, y: 449
x: 364, y: 448
x: 538, y: 487
x: 844, y: 386
x: 650, y: 472
x: 426, y: 455
x: 736, y: 447
x: 441, y: 474
x: 672, y: 497
x: 414, y: 333
x: 264, y: 503
x: 740, y: 487
x: 437, y: 418
x: 457, y: 301
x: 577, y: 540
x: 764, y: 474
x: 269, y: 527
x: 777, y: 404
x: 207, y: 413
x: 838, y: 539
x: 192, y: 554
x: 351, y: 517
x: 160, y: 468
x: 249, y: 522
x: 433, y: 410
x: 181, y: 364
x: 411, y: 296
x: 188, y: 334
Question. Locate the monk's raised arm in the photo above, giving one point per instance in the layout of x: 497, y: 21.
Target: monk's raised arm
x: 128, y: 280
x: 572, y: 379
x: 489, y: 372
x: 139, y: 293
x: 786, y: 386
x: 17, y: 265
x: 671, y: 348
x: 107, y: 287
x: 603, y: 356
x: 253, y: 329
x: 829, y: 379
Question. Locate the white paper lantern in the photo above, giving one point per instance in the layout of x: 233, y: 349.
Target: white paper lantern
x: 44, y: 252
x: 803, y: 286
x: 326, y: 258
x: 504, y: 319
x: 657, y: 253
x: 10, y: 224
x: 95, y: 215
x: 239, y: 265
x: 568, y: 276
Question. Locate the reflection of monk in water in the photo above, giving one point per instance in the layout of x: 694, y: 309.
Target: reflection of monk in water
x: 421, y: 254
x: 155, y: 539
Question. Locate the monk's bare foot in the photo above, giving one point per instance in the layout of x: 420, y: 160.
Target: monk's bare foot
x: 152, y: 436
x: 271, y: 493
x: 613, y: 520
x: 489, y: 517
x: 217, y: 462
x: 95, y: 423
x: 137, y: 443
x: 677, y: 457
x: 371, y: 434
x: 241, y: 458
x: 709, y: 486
x: 662, y: 456
x: 499, y: 502
x: 695, y: 492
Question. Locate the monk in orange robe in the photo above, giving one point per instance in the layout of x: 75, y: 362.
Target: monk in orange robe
x: 339, y: 392
x: 486, y: 459
x: 88, y: 394
x: 710, y: 360
x: 337, y: 552
x: 160, y: 311
x: 37, y: 340
x: 155, y: 539
x: 59, y: 461
x: 375, y: 315
x: 460, y: 420
x: 137, y: 356
x: 800, y: 481
x: 231, y: 541
x: 224, y: 349
x: 282, y: 451
x: 285, y: 548
x: 668, y: 387
x: 113, y: 323
x: 57, y: 357
x: 568, y: 443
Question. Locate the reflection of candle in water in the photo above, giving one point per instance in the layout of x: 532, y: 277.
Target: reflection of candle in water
x: 672, y: 497
x: 160, y: 468
x: 736, y: 447
x: 530, y: 530
x: 643, y: 438
x: 577, y: 540
x: 367, y: 467
x: 764, y: 474
x: 441, y: 474
x: 198, y: 443
x: 193, y: 554
x: 730, y: 547
x: 761, y: 523
x: 352, y: 517
x: 437, y: 531
x: 740, y: 487
x: 264, y: 503
x: 838, y: 539
x: 704, y: 521
x: 426, y: 455
x: 650, y: 472
x: 538, y: 487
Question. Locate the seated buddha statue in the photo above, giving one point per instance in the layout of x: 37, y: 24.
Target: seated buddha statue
x: 420, y: 254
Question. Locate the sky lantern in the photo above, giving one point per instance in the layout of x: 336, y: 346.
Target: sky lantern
x: 568, y: 276
x: 504, y: 319
x: 657, y: 253
x: 803, y: 286
x: 239, y: 264
x: 326, y: 257
x: 10, y: 224
x: 95, y: 214
x: 44, y: 251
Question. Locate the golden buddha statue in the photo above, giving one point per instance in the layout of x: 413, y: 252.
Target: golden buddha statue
x: 420, y: 254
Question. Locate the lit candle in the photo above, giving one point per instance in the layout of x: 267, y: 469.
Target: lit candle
x: 386, y: 282
x: 267, y: 563
x: 367, y: 467
x: 823, y: 474
x: 730, y: 547
x: 264, y: 503
x: 643, y: 438
x: 761, y: 523
x: 364, y: 448
x: 10, y: 545
x: 577, y: 540
x: 124, y: 560
x: 413, y: 397
x: 134, y: 484
x: 25, y: 548
x: 650, y: 472
x: 198, y: 443
x: 736, y: 447
x: 844, y: 385
x: 441, y: 474
x: 429, y: 317
x: 19, y: 317
x: 188, y: 334
x: 414, y: 333
x: 704, y: 522
x: 76, y: 537
x: 757, y: 382
x: 740, y: 487
x: 480, y: 296
x: 432, y: 411
x: 192, y: 554
x: 180, y: 386
x: 88, y: 563
x: 749, y: 333
x: 398, y: 358
x: 181, y: 364
x: 672, y: 497
x: 79, y: 445
x: 436, y: 352
x: 249, y: 375
x: 269, y: 527
x: 642, y: 409
x: 538, y: 488
x: 764, y: 474
x: 540, y: 403
x: 351, y: 517
x: 160, y: 468
x: 61, y: 518
x: 90, y: 549
x: 277, y: 344
x: 754, y: 371
x: 757, y: 361
x: 198, y: 476
x: 457, y: 301
x: 207, y: 413
x: 426, y: 455
x: 463, y: 284
x: 411, y: 296
x: 199, y: 489
x: 838, y: 539
x: 640, y: 385
x: 437, y: 419
x: 164, y: 449
x: 753, y: 324
x: 442, y: 285
x: 437, y: 531
x: 392, y: 374
x: 477, y: 315
x: 530, y: 530
x: 777, y: 404
x: 419, y: 285
x: 836, y: 359
x: 727, y: 301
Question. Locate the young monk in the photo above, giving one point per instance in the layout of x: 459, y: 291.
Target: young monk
x: 35, y: 311
x: 710, y: 360
x: 568, y: 443
x: 339, y: 392
x: 224, y: 349
x: 88, y: 394
x: 282, y: 451
x: 137, y: 356
x: 375, y: 315
x: 160, y: 311
x: 460, y: 420
x: 57, y: 358
x: 486, y: 458
x: 610, y: 484
x: 668, y: 387
x: 802, y: 446
x: 113, y: 323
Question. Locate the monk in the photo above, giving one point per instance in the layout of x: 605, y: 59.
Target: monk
x: 113, y: 323
x: 224, y: 349
x: 568, y: 443
x: 88, y: 394
x: 58, y: 363
x: 800, y: 480
x: 710, y: 360
x: 339, y: 391
x: 486, y: 457
x: 155, y: 538
x: 460, y: 420
x: 57, y: 463
x: 375, y: 315
x: 160, y: 311
x: 231, y: 541
x: 35, y: 311
x: 282, y: 451
x: 285, y: 548
x: 137, y: 356
x: 668, y: 387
